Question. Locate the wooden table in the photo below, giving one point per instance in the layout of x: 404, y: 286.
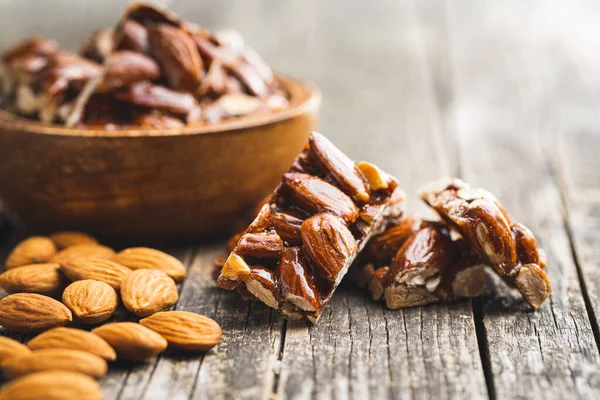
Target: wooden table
x: 503, y: 94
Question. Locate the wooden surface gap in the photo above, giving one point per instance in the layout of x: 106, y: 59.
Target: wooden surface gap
x: 484, y: 350
x: 277, y: 370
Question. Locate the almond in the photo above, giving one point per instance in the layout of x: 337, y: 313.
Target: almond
x: 83, y: 251
x: 376, y: 177
x: 56, y: 359
x: 287, y: 225
x: 329, y: 244
x: 35, y: 278
x: 36, y: 249
x: 97, y: 269
x: 29, y: 312
x: 134, y: 37
x: 90, y: 301
x: 297, y: 284
x: 426, y: 253
x: 260, y: 245
x: 73, y: 339
x: 132, y: 341
x: 146, y: 258
x: 338, y: 166
x: 314, y: 195
x: 534, y: 285
x: 185, y: 330
x: 65, y: 239
x: 147, y: 291
x: 490, y: 234
x: 262, y: 284
x: 52, y: 385
x: 178, y: 55
x: 126, y: 67
x: 147, y: 95
x: 235, y: 269
x: 526, y: 245
x: 384, y: 246
x: 10, y: 348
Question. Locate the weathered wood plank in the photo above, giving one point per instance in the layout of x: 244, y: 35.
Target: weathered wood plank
x: 580, y: 174
x: 242, y: 365
x: 358, y: 349
x: 502, y: 116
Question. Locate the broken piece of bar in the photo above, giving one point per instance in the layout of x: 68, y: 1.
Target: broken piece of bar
x: 296, y: 251
x: 509, y: 247
x: 415, y: 262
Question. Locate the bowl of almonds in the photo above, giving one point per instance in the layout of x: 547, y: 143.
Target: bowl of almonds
x: 155, y: 129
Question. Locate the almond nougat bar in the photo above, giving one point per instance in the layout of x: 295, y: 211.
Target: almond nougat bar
x: 294, y: 254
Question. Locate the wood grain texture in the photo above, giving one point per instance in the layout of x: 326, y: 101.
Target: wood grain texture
x: 358, y: 350
x: 580, y: 173
x: 501, y: 123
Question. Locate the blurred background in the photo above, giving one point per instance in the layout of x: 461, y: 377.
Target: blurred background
x: 435, y: 80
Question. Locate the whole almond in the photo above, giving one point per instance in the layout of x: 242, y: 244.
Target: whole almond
x: 147, y: 291
x: 339, y: 167
x: 80, y: 251
x: 146, y: 258
x: 146, y: 95
x: 73, y: 339
x: 36, y: 249
x: 52, y: 385
x: 10, y: 348
x: 65, y: 239
x: 132, y: 341
x: 34, y: 278
x: 178, y: 55
x: 56, y: 359
x: 30, y: 312
x: 97, y: 269
x: 329, y: 244
x: 313, y: 194
x: 124, y: 67
x: 90, y: 301
x: 296, y: 280
x: 185, y: 330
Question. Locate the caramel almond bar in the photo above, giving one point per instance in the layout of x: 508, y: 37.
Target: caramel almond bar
x: 508, y: 246
x: 415, y: 262
x: 300, y: 245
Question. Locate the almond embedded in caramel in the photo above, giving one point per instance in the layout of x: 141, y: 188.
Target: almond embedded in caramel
x: 297, y: 283
x: 314, y: 195
x: 329, y: 244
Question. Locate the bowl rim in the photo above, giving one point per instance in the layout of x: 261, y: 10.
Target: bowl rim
x: 304, y: 97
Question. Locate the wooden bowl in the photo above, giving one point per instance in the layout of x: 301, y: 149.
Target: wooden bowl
x: 150, y: 185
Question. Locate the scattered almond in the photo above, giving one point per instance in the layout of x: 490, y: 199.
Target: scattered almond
x: 146, y: 258
x: 56, y: 359
x: 95, y: 268
x: 35, y: 249
x: 10, y: 348
x: 30, y: 312
x: 147, y: 291
x: 79, y: 251
x: 90, y: 301
x: 52, y: 385
x: 34, y: 278
x: 185, y: 330
x: 73, y: 339
x: 65, y: 239
x: 132, y: 341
